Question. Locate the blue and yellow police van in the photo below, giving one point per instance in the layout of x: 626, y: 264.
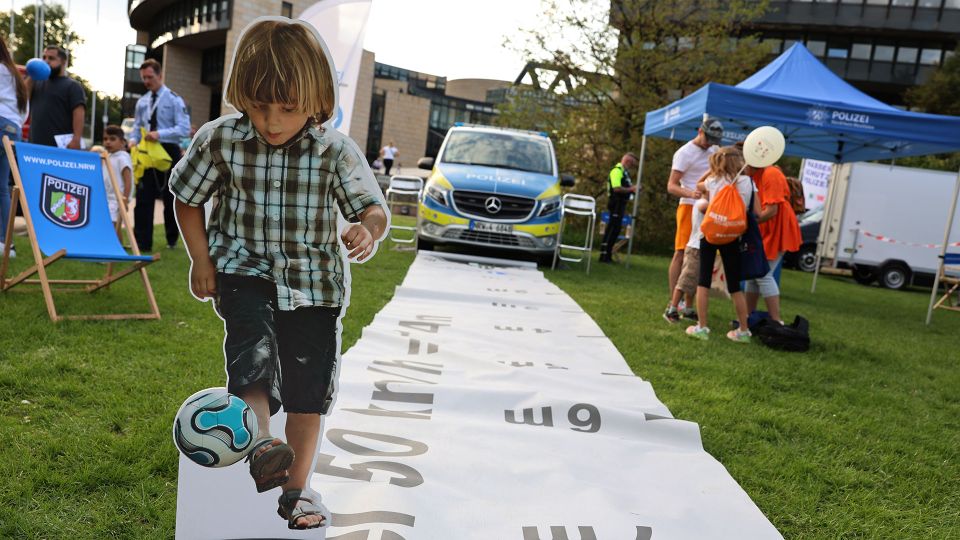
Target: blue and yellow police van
x: 493, y: 187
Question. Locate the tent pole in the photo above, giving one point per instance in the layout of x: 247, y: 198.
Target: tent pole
x: 636, y: 199
x: 943, y: 250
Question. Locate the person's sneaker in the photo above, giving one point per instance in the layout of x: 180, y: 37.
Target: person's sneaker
x: 13, y: 250
x: 699, y: 332
x: 738, y: 336
x: 671, y: 315
x: 689, y: 314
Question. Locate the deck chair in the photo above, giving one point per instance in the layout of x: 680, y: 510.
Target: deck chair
x: 64, y: 204
x: 949, y: 277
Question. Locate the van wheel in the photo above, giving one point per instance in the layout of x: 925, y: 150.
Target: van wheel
x: 864, y: 275
x: 894, y: 276
x: 807, y: 259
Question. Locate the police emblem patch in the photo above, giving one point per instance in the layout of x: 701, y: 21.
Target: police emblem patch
x: 65, y: 203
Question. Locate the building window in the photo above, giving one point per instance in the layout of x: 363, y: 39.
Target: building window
x: 860, y: 51
x: 817, y: 47
x: 903, y: 3
x: 286, y: 9
x: 907, y: 55
x: 837, y: 52
x: 136, y: 54
x: 935, y: 4
x: 883, y: 53
x: 930, y: 57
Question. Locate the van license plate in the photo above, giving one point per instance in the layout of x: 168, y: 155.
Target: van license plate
x: 491, y: 227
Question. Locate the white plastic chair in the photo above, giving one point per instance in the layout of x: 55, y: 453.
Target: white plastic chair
x: 399, y: 192
x: 576, y: 205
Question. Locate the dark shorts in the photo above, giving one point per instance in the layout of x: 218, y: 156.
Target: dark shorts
x: 293, y: 354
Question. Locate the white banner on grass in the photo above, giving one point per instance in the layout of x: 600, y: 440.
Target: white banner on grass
x: 483, y: 403
x: 815, y: 176
x: 343, y: 25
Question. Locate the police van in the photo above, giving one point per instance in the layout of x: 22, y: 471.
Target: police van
x: 493, y: 187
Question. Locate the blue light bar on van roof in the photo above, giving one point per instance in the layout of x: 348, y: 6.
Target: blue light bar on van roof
x: 467, y: 124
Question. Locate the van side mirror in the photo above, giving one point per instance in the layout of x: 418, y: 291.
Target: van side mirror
x: 567, y: 180
x: 425, y: 163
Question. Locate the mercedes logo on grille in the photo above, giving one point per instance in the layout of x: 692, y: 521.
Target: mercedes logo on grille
x: 493, y: 205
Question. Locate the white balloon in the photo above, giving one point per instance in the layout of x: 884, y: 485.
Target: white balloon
x: 763, y: 146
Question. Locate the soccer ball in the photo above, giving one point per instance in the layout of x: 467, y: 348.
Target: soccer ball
x: 215, y: 428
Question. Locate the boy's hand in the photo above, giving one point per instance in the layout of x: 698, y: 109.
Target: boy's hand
x: 358, y: 240
x: 203, y: 278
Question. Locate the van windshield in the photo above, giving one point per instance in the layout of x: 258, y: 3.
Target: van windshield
x: 499, y: 150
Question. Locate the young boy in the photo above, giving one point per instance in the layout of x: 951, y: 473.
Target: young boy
x: 689, y: 273
x: 269, y: 256
x: 119, y: 161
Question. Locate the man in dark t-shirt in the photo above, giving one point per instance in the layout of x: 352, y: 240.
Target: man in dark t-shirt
x: 57, y: 105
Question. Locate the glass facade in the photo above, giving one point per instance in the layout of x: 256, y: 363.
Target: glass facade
x: 883, y: 47
x: 188, y: 17
x: 444, y: 110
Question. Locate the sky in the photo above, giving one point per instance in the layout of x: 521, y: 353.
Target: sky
x: 450, y: 38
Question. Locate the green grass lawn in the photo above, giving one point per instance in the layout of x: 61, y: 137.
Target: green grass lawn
x: 856, y: 439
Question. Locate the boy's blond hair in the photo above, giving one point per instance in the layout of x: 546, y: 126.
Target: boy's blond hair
x: 282, y: 62
x: 726, y: 163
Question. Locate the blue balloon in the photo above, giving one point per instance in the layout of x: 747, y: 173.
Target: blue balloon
x: 38, y: 70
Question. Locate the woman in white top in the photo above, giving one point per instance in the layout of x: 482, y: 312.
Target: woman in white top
x: 389, y: 153
x: 13, y: 105
x: 725, y: 164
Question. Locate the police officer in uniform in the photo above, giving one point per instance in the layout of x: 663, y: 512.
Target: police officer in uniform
x: 620, y: 190
x: 164, y: 116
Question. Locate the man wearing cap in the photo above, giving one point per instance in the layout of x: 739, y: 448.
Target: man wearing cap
x: 690, y: 163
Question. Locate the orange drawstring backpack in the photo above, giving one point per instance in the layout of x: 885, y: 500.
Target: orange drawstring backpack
x: 726, y: 217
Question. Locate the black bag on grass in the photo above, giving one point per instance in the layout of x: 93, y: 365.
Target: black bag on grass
x: 792, y: 337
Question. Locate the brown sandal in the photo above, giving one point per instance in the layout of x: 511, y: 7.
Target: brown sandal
x: 290, y: 511
x: 273, y: 460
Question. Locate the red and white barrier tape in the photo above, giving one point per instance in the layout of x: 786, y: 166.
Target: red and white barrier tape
x: 887, y: 239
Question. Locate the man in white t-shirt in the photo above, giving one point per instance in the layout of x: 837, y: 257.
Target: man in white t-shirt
x: 389, y: 153
x: 690, y: 163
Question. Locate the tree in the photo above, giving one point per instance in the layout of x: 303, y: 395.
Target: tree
x: 939, y: 95
x: 56, y: 31
x: 622, y: 62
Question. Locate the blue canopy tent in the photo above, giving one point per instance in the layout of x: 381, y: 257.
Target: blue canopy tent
x: 821, y: 116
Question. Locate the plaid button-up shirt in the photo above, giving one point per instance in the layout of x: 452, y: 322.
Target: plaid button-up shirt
x: 274, y: 212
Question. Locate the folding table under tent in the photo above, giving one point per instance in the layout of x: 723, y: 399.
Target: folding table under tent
x: 821, y: 116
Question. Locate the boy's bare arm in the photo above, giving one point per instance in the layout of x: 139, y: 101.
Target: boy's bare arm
x: 374, y: 220
x: 203, y: 274
x: 359, y: 238
x: 127, y: 183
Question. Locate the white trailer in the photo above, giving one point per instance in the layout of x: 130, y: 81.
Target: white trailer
x: 886, y: 223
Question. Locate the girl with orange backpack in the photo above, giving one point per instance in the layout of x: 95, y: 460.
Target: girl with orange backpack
x: 730, y: 195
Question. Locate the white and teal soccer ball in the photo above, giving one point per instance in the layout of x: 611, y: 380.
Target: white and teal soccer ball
x: 215, y: 428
